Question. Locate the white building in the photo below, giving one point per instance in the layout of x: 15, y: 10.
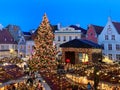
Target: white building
x: 110, y: 39
x: 65, y: 34
x: 25, y: 45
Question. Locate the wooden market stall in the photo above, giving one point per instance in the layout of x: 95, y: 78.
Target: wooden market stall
x: 79, y: 50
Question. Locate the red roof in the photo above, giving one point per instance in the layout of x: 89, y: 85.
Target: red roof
x: 117, y: 26
x: 6, y: 37
x: 98, y: 29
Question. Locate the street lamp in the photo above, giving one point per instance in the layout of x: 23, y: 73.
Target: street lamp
x: 11, y: 52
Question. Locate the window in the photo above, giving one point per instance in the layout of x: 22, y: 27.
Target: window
x: 2, y: 47
x: 16, y: 46
x: 76, y: 37
x: 109, y: 46
x: 58, y: 38
x: 113, y: 37
x: 29, y: 47
x: 118, y: 56
x: 110, y: 56
x: 102, y: 46
x: 70, y: 38
x: 13, y: 46
x: 91, y: 34
x: 64, y: 39
x: 117, y: 47
x: 21, y: 47
x: 6, y: 47
x: 106, y: 37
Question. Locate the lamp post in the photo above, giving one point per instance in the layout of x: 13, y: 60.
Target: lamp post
x: 11, y: 52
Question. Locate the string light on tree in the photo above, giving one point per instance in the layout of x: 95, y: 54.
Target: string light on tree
x: 44, y: 48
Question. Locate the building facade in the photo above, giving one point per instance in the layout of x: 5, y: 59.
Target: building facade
x: 110, y: 40
x: 25, y: 45
x: 8, y: 47
x: 15, y: 31
x: 93, y: 32
x: 65, y: 34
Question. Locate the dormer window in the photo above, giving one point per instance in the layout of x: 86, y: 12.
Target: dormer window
x: 5, y: 39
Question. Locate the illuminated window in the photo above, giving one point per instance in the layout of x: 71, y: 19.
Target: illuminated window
x: 110, y: 56
x: 109, y: 46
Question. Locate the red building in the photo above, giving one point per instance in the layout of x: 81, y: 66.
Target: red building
x: 93, y: 32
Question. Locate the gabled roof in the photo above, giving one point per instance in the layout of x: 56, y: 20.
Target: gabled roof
x: 98, y: 29
x: 10, y: 72
x: 26, y: 33
x: 6, y: 37
x: 54, y: 27
x: 79, y: 43
x: 117, y: 26
x: 78, y: 28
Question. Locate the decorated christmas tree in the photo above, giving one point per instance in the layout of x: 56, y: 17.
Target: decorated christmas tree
x: 44, y: 48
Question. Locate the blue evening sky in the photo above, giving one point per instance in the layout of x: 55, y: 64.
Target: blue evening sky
x: 28, y: 13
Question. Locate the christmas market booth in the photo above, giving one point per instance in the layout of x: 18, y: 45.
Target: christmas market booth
x: 78, y: 51
x: 10, y: 75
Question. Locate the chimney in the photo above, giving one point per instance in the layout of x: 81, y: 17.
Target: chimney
x: 78, y: 25
x: 1, y: 26
x: 58, y: 26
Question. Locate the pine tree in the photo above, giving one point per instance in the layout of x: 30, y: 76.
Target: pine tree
x: 44, y: 48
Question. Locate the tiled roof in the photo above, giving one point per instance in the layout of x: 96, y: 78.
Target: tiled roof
x: 26, y: 33
x: 10, y: 72
x: 54, y: 27
x: 6, y: 37
x: 78, y: 28
x: 117, y: 26
x: 79, y: 43
x: 98, y: 29
x: 27, y: 37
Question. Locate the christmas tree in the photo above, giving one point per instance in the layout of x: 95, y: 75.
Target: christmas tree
x: 44, y: 48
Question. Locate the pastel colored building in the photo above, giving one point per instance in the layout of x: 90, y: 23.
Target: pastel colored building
x: 93, y: 32
x: 110, y: 40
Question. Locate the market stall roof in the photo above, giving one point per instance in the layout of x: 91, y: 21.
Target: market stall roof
x: 79, y: 43
x: 10, y: 72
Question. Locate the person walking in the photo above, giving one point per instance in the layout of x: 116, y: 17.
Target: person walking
x: 89, y: 87
x: 39, y: 86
